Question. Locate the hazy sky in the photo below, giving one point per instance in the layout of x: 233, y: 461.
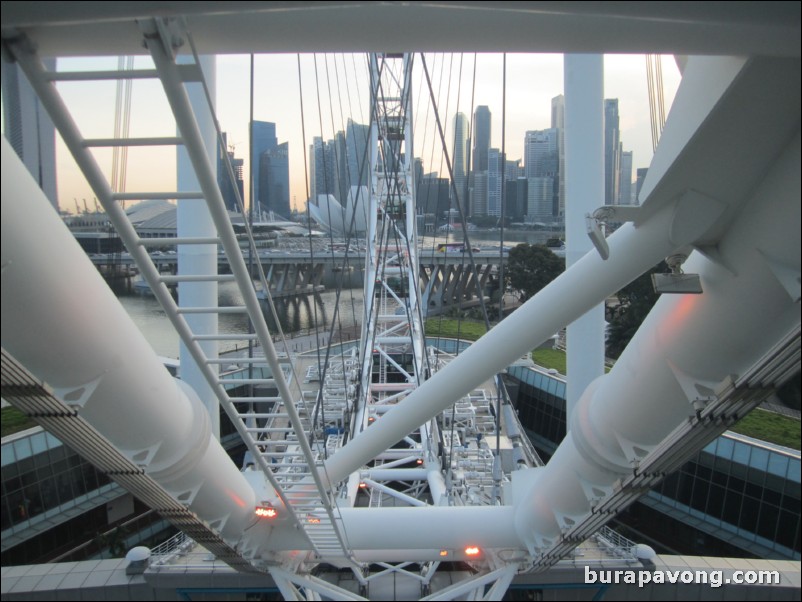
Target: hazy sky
x: 334, y: 87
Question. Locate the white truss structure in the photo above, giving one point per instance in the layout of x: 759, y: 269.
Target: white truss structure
x: 696, y: 365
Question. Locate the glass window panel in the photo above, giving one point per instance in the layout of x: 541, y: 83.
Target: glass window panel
x: 52, y: 441
x: 724, y: 447
x: 774, y: 483
x: 719, y: 477
x: 732, y: 507
x: 684, y: 488
x: 771, y: 496
x: 759, y: 458
x: 788, y: 529
x: 767, y: 524
x: 39, y: 443
x: 699, y: 499
x: 738, y: 470
x: 778, y: 464
x: 8, y: 457
x: 790, y: 503
x: 749, y: 513
x: 740, y: 453
x: 33, y: 500
x: 11, y: 484
x: 753, y: 490
x: 22, y: 448
x: 715, y: 501
x: 736, y: 484
x: 794, y: 470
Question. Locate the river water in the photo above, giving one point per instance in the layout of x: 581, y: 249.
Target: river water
x: 299, y: 313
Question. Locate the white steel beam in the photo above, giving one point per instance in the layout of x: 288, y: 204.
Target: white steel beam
x: 584, y: 191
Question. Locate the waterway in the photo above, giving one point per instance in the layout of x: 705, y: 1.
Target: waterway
x: 299, y: 313
x: 295, y: 314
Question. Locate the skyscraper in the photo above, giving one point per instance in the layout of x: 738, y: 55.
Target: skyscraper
x: 341, y: 166
x: 29, y: 129
x: 625, y: 179
x: 641, y: 176
x: 460, y: 152
x: 558, y: 123
x: 495, y: 180
x: 323, y: 172
x: 540, y: 197
x: 481, y: 138
x: 274, y: 180
x: 541, y: 160
x: 540, y: 153
x: 356, y: 142
x: 229, y: 188
x: 263, y: 137
x: 612, y: 151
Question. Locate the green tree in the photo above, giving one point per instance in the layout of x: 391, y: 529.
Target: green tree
x: 636, y: 301
x: 532, y: 267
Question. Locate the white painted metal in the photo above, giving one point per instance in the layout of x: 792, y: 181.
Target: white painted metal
x: 635, y: 250
x: 170, y: 76
x: 194, y: 220
x: 738, y: 205
x: 745, y: 28
x: 391, y: 259
x: 584, y: 190
x: 114, y: 378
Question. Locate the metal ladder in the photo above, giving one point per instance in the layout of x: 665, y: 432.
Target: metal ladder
x: 302, y: 492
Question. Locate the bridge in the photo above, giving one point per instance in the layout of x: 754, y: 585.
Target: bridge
x: 446, y: 279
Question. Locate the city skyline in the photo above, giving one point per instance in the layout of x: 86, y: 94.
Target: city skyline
x: 532, y: 82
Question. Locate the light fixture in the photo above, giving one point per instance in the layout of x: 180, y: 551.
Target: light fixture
x: 597, y: 236
x: 608, y: 213
x: 266, y: 510
x: 472, y: 551
x: 677, y: 281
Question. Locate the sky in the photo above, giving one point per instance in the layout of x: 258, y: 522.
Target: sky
x: 334, y: 87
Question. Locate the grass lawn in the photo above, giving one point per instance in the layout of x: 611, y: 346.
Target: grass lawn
x: 469, y: 330
x: 550, y: 358
x: 769, y: 426
x: 14, y: 421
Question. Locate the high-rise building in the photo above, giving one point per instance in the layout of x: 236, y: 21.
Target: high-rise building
x: 541, y: 160
x: 29, y: 129
x: 479, y: 194
x: 274, y: 181
x: 612, y: 151
x: 481, y: 138
x: 625, y: 191
x: 341, y: 166
x: 263, y: 138
x: 460, y: 152
x: 229, y: 188
x: 641, y: 176
x: 495, y: 181
x: 357, y: 137
x: 323, y: 168
x: 540, y: 197
x: 558, y: 123
x: 516, y: 193
x: 513, y: 169
x: 540, y: 153
x: 433, y: 195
